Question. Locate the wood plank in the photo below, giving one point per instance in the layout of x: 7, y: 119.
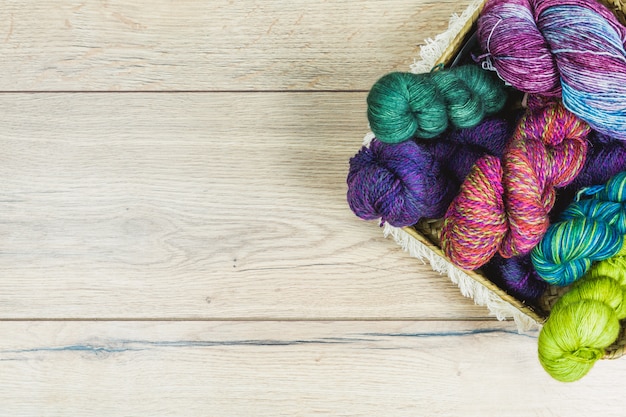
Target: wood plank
x: 214, y: 45
x: 196, y: 206
x: 288, y: 369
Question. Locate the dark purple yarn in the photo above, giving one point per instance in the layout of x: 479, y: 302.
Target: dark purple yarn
x: 405, y: 182
x: 489, y: 137
x: 516, y: 276
x: 606, y: 157
x: 460, y: 148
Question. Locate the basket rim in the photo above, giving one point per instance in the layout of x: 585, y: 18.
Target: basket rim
x: 538, y: 316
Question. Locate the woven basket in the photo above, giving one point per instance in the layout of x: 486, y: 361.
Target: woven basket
x: 425, y: 234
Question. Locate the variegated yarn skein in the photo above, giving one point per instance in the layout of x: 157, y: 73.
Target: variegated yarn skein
x: 591, y: 229
x: 503, y: 205
x: 569, y: 48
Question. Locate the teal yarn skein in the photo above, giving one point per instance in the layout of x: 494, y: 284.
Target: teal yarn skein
x: 403, y: 105
x: 569, y: 248
x: 589, y: 230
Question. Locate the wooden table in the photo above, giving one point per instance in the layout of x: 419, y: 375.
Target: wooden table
x: 174, y: 233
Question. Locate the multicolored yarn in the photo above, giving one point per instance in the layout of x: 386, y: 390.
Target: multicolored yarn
x: 403, y: 183
x: 590, y: 230
x: 402, y: 105
x: 569, y: 248
x: 572, y: 48
x: 585, y: 321
x: 517, y: 276
x: 504, y: 206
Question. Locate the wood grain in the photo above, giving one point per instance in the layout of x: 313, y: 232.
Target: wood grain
x: 214, y: 45
x: 288, y: 369
x: 174, y: 234
x: 196, y: 206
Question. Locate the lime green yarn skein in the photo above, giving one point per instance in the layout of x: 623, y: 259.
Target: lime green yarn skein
x: 403, y: 105
x: 585, y: 321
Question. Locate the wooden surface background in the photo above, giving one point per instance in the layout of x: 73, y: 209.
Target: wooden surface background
x: 174, y: 234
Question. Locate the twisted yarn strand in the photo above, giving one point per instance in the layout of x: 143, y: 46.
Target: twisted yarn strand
x: 403, y: 105
x: 569, y: 48
x: 503, y: 206
x: 547, y: 152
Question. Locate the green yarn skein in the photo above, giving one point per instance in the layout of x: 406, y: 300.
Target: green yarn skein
x: 585, y: 321
x: 403, y: 105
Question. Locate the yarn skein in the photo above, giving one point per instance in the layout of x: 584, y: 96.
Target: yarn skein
x: 573, y: 48
x: 503, y: 206
x: 403, y: 183
x: 403, y: 105
x: 585, y: 321
x: 590, y: 230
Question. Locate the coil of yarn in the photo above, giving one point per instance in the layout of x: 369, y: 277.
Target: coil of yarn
x: 402, y: 183
x: 572, y: 48
x: 546, y: 151
x: 403, y: 105
x: 590, y: 230
x: 585, y: 321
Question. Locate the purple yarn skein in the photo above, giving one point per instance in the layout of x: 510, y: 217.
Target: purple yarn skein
x: 405, y: 182
x: 397, y: 183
